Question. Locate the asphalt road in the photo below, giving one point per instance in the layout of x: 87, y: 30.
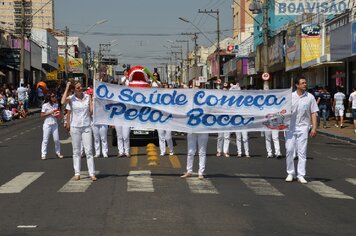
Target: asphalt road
x: 144, y: 195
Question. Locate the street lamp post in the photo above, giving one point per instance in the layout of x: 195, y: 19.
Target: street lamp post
x: 68, y: 46
x: 186, y: 41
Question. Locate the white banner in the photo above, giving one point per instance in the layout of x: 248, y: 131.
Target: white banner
x: 192, y: 110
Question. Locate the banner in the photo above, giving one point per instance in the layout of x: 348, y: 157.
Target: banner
x: 192, y: 110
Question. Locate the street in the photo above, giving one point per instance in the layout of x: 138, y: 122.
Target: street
x: 144, y: 195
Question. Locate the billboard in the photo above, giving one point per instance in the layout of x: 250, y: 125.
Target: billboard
x: 353, y: 39
x: 310, y: 41
x: 299, y: 7
x: 292, y: 47
x: 75, y: 65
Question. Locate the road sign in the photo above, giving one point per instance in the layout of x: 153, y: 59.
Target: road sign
x: 266, y: 76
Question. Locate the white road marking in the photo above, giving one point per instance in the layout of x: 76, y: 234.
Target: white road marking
x: 204, y: 186
x: 259, y: 186
x: 140, y: 181
x: 7, y: 139
x: 78, y: 186
x: 326, y: 191
x: 66, y: 141
x: 26, y: 226
x: 20, y: 182
x: 351, y: 180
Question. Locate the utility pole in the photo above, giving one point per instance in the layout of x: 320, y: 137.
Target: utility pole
x: 218, y: 37
x: 22, y: 49
x: 265, y: 41
x: 186, y: 41
x: 195, y: 37
x: 66, y: 33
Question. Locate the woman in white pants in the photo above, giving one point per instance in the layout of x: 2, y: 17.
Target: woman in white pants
x: 270, y: 136
x: 81, y: 106
x: 223, y: 143
x: 100, y: 133
x: 123, y: 141
x: 165, y: 136
x: 242, y: 137
x: 194, y: 140
x: 50, y: 126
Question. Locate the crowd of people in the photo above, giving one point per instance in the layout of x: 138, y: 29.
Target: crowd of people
x: 77, y: 105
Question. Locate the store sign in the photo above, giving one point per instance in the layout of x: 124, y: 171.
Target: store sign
x: 299, y: 7
x: 75, y: 65
x: 353, y: 40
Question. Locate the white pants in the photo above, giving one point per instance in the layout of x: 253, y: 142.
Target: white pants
x: 165, y: 136
x: 123, y: 139
x: 47, y: 131
x: 296, y: 139
x: 242, y: 137
x: 79, y: 135
x: 202, y: 141
x: 269, y: 136
x: 100, y: 133
x: 223, y: 142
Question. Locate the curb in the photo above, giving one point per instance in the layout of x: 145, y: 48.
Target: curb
x: 343, y: 138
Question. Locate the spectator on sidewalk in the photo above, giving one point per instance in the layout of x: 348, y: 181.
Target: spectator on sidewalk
x: 338, y: 107
x: 324, y: 103
x: 22, y: 95
x: 352, y: 104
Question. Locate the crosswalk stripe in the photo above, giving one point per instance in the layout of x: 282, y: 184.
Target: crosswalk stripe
x: 326, y: 191
x: 20, y: 182
x: 78, y: 186
x: 204, y: 186
x: 259, y: 186
x: 140, y: 181
x: 351, y: 180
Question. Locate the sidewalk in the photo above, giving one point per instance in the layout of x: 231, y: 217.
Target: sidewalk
x: 346, y: 133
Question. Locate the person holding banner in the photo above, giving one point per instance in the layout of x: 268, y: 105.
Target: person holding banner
x: 269, y: 137
x: 194, y: 140
x: 304, y: 109
x: 223, y: 141
x: 81, y: 106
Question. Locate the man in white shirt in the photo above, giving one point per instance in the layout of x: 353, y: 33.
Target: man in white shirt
x: 339, y: 108
x: 304, y: 110
x: 352, y: 104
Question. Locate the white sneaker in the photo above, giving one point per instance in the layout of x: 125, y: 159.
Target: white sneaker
x: 302, y: 180
x: 247, y: 155
x: 97, y: 155
x: 106, y: 156
x: 239, y: 155
x: 60, y: 156
x: 289, y: 178
x: 171, y: 153
x: 43, y: 157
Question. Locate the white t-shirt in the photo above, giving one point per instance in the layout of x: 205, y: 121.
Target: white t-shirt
x: 302, y: 108
x: 123, y: 79
x: 47, y: 107
x: 22, y: 93
x: 80, y: 114
x: 339, y: 98
x: 352, y: 99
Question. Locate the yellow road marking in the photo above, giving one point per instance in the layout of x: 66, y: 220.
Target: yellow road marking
x: 175, y: 162
x: 152, y: 155
x: 134, y: 159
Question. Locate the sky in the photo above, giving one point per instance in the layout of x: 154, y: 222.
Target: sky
x: 140, y: 30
